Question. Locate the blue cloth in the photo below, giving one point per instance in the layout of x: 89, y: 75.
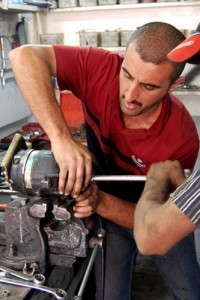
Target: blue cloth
x: 179, y: 267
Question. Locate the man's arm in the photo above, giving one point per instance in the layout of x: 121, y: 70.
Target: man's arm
x: 112, y: 208
x: 158, y: 223
x: 34, y: 67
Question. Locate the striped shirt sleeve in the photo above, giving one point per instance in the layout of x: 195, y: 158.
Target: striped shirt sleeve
x: 187, y: 197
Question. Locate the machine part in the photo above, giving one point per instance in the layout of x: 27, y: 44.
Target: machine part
x: 17, y: 143
x: 34, y: 172
x: 38, y: 210
x: 68, y: 238
x: 56, y: 292
x: 24, y: 237
x: 37, y: 278
x: 61, y: 213
x: 30, y: 269
x: 32, y: 238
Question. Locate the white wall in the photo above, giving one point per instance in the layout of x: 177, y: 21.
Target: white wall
x: 70, y: 23
x: 12, y: 106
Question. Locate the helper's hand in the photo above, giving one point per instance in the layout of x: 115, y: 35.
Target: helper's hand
x: 87, y: 201
x: 75, y: 163
x: 170, y: 172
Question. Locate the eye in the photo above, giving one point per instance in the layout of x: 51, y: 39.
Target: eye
x: 127, y: 75
x: 149, y: 87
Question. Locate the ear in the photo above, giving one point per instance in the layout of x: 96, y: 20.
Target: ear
x: 176, y: 83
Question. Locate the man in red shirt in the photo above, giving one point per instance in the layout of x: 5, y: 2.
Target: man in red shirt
x: 132, y: 120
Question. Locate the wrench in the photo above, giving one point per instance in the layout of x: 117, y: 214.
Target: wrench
x: 59, y: 294
x: 37, y: 278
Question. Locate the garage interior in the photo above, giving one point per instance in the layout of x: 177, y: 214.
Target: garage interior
x: 86, y: 23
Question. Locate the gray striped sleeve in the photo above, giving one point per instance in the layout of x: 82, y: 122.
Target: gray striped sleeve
x: 187, y: 197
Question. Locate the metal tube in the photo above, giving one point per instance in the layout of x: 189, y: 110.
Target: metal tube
x: 126, y: 177
x: 87, y: 272
x: 118, y: 178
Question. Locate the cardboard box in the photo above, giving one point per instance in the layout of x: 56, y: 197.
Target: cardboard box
x: 89, y: 38
x: 124, y: 37
x: 128, y: 1
x: 109, y: 39
x: 67, y: 3
x: 87, y: 2
x: 107, y: 2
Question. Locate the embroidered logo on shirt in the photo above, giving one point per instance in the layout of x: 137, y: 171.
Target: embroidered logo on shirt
x: 138, y: 162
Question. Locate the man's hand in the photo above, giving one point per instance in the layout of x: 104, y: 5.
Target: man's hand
x: 87, y: 201
x: 170, y: 172
x: 75, y: 163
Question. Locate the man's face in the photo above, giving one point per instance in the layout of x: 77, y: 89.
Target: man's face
x: 142, y: 84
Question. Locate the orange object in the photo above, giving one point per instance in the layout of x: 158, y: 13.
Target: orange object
x: 2, y: 206
x: 72, y: 109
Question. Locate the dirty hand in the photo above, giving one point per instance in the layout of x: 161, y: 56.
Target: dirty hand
x: 87, y: 201
x: 75, y: 164
x: 168, y: 171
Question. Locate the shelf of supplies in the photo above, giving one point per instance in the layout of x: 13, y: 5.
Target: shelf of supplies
x: 20, y: 8
x: 187, y: 92
x: 126, y: 6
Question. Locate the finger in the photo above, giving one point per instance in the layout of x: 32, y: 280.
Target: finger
x: 63, y: 175
x: 82, y: 203
x: 83, y: 215
x: 88, y: 172
x: 82, y: 212
x: 78, y: 184
x: 70, y: 181
x: 85, y: 194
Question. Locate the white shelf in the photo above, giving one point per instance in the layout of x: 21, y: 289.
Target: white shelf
x: 187, y: 92
x: 18, y: 8
x: 126, y: 6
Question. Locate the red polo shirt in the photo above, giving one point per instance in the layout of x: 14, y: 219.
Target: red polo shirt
x: 92, y: 74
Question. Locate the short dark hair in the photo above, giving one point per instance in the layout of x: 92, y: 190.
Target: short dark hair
x: 154, y: 41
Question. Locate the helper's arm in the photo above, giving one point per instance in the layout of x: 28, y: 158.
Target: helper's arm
x: 158, y: 223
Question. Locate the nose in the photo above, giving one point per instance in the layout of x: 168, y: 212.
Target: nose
x: 132, y: 92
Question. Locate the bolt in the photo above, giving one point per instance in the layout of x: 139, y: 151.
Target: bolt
x: 16, y: 161
x: 11, y: 251
x: 24, y: 201
x: 6, y: 293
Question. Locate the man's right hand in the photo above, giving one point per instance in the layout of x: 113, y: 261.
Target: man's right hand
x: 75, y: 163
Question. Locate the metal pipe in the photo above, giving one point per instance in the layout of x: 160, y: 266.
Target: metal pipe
x: 126, y: 177
x: 118, y: 178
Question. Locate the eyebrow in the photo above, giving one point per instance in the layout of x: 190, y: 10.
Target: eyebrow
x: 143, y: 83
